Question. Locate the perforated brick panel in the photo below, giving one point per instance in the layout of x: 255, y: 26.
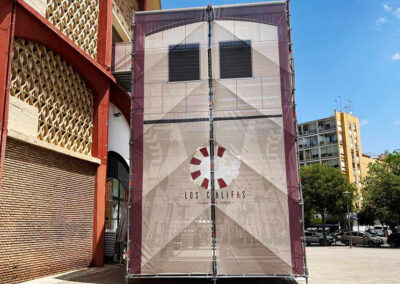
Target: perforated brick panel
x: 45, y: 80
x: 124, y: 10
x: 46, y: 213
x: 78, y: 20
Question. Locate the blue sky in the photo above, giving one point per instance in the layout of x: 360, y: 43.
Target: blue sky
x: 346, y: 48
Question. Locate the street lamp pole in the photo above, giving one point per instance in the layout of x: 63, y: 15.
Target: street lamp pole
x: 348, y: 217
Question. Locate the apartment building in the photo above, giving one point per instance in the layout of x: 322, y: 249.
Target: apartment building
x: 60, y: 111
x: 336, y: 141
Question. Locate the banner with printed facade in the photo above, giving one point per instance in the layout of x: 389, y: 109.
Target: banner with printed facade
x: 220, y: 74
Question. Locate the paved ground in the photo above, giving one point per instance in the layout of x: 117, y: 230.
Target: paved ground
x: 327, y: 265
x: 361, y: 265
x: 113, y: 274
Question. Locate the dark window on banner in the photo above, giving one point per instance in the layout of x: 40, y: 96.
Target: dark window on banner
x: 184, y: 62
x: 235, y: 59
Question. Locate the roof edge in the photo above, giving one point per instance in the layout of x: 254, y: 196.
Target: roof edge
x: 218, y: 6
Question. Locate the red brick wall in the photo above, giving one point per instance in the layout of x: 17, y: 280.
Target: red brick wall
x: 46, y: 213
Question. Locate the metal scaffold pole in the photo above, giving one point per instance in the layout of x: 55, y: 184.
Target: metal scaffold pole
x: 130, y: 148
x: 293, y: 90
x: 211, y: 117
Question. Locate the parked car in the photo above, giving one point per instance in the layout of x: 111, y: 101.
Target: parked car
x: 317, y: 238
x: 361, y: 238
x: 317, y: 229
x: 338, y: 235
x: 312, y: 229
x: 381, y: 230
x: 394, y: 240
x: 373, y: 232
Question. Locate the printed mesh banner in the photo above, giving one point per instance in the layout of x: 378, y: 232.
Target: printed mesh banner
x: 239, y: 93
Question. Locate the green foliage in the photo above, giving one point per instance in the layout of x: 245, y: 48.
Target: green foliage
x: 382, y: 189
x: 366, y: 216
x: 324, y: 190
x: 316, y: 222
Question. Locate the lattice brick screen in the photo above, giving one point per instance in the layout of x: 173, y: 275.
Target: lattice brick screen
x: 43, y: 79
x: 124, y: 10
x: 77, y: 19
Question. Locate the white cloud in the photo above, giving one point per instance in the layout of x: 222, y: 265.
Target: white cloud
x: 387, y: 8
x: 396, y: 56
x: 380, y: 21
x: 364, y: 122
x: 397, y: 12
x: 397, y: 122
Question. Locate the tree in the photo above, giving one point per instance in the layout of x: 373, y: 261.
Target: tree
x: 381, y: 190
x: 324, y: 190
x: 367, y: 215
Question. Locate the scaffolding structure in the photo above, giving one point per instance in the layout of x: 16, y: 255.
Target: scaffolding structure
x: 213, y: 274
x: 293, y: 84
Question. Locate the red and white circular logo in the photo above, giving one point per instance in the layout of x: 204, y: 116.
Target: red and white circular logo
x: 226, y: 165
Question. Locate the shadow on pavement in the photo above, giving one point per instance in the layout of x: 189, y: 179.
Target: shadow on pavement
x: 208, y: 281
x: 115, y: 274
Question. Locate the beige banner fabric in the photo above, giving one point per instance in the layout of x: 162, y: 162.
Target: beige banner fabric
x: 176, y: 232
x: 252, y: 213
x: 253, y: 235
x: 252, y: 218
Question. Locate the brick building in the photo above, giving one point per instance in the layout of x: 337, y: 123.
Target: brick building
x: 61, y: 115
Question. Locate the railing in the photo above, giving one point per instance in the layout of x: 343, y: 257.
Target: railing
x: 309, y: 132
x: 322, y: 143
x: 326, y: 129
x: 311, y: 158
x: 329, y: 155
x: 310, y: 145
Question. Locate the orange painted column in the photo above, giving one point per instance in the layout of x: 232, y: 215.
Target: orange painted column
x: 104, y: 36
x: 100, y: 150
x: 7, y: 19
x: 142, y: 5
x: 100, y: 130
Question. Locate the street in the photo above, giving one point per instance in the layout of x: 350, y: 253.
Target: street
x: 333, y: 264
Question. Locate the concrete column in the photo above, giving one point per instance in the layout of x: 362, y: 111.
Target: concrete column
x: 100, y: 130
x: 7, y: 19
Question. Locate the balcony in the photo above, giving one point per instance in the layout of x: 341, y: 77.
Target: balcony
x: 325, y: 143
x: 121, y: 63
x: 329, y: 155
x: 309, y: 132
x: 308, y: 145
x: 311, y: 157
x: 327, y: 128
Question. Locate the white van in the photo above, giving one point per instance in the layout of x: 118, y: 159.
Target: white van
x: 381, y: 230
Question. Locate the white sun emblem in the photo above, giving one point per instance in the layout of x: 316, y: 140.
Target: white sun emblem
x: 226, y: 165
